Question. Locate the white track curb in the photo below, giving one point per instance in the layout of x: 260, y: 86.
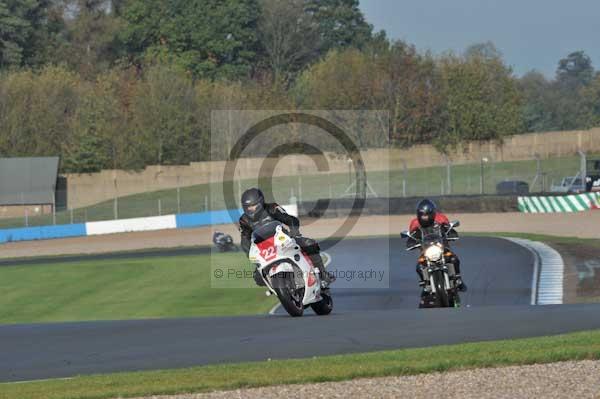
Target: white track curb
x: 548, y: 273
x: 274, y: 308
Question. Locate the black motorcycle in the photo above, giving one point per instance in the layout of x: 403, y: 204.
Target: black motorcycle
x: 440, y: 284
x: 224, y: 242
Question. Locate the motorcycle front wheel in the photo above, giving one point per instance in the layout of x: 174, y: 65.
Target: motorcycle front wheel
x: 440, y: 289
x: 290, y: 296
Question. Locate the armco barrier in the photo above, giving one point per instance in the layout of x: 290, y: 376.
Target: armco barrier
x: 180, y: 221
x: 406, y: 206
x: 559, y: 204
x: 128, y: 225
x: 187, y: 220
x: 42, y: 232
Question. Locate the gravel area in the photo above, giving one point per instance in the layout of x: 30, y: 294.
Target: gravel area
x: 582, y: 271
x: 556, y: 380
x: 583, y: 224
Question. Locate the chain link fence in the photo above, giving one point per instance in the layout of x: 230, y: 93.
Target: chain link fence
x: 536, y: 175
x: 478, y: 178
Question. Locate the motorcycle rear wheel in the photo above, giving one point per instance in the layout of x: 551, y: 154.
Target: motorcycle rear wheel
x: 324, y: 306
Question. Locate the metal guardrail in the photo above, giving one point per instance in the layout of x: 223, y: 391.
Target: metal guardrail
x: 175, y: 221
x: 403, y: 206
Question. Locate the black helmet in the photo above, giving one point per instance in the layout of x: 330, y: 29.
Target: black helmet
x: 426, y: 212
x: 253, y: 198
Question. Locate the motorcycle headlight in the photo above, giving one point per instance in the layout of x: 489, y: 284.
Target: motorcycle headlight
x: 433, y: 253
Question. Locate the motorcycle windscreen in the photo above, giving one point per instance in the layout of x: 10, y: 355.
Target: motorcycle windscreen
x: 431, y: 236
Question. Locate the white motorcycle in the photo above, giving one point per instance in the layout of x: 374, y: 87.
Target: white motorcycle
x: 287, y: 271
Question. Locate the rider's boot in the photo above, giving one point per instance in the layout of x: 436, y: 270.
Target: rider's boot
x: 326, y: 277
x: 258, y: 278
x: 462, y: 287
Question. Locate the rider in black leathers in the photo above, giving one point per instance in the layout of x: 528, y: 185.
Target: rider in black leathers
x: 257, y: 213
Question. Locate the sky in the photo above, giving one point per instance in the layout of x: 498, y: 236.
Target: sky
x: 531, y: 34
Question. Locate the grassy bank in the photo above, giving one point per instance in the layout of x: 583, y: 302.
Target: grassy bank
x: 577, y: 346
x: 153, y: 287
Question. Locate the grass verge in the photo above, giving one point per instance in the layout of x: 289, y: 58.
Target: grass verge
x: 576, y: 346
x: 130, y: 288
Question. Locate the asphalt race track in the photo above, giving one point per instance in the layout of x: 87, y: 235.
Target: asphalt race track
x: 497, y: 272
x: 375, y: 309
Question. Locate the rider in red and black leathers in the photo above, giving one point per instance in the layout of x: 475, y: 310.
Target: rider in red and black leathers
x: 257, y: 213
x: 428, y: 216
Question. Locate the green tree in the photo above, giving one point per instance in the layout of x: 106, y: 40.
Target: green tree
x: 486, y: 50
x: 345, y: 80
x: 37, y: 112
x: 85, y: 157
x: 591, y: 103
x: 413, y: 94
x: 341, y: 23
x: 90, y: 41
x: 164, y: 119
x: 210, y: 38
x: 575, y: 70
x: 289, y: 37
x: 23, y: 32
x: 574, y: 73
x: 482, y: 99
x: 539, y: 102
x: 117, y: 7
x: 103, y: 136
x: 342, y: 80
x: 393, y: 77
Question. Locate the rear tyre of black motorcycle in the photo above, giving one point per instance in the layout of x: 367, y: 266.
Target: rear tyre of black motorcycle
x: 324, y: 306
x: 285, y: 290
